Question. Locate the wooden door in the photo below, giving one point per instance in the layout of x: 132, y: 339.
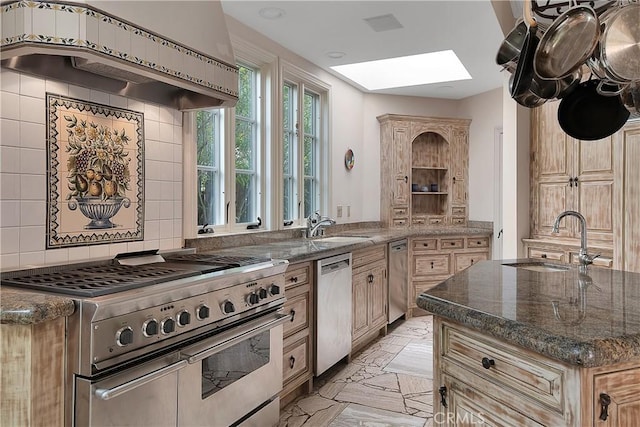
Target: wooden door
x: 378, y: 296
x: 552, y: 163
x: 616, y: 399
x: 400, y: 157
x: 360, y: 321
x: 594, y: 187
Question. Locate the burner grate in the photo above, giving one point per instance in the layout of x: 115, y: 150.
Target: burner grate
x: 229, y: 260
x: 99, y: 280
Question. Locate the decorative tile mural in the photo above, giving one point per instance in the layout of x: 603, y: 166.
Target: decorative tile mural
x: 96, y: 173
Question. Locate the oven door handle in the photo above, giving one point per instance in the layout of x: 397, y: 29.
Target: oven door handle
x: 110, y: 393
x: 229, y: 338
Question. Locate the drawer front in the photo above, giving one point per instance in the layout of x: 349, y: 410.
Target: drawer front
x: 451, y: 243
x: 431, y: 265
x: 458, y: 221
x: 367, y: 256
x: 477, y: 242
x: 436, y: 220
x: 601, y: 261
x: 418, y: 221
x: 508, y: 366
x: 424, y: 244
x: 546, y: 254
x: 400, y: 222
x: 458, y: 211
x: 296, y: 275
x: 420, y: 287
x: 400, y: 212
x: 467, y: 260
x: 295, y: 359
x: 298, y: 307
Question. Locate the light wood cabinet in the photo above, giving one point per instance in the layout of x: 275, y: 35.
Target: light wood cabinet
x: 433, y: 260
x: 431, y: 154
x: 481, y: 380
x: 569, y: 174
x: 370, y: 290
x: 297, y: 362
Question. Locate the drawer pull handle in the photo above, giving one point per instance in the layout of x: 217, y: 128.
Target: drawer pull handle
x: 292, y: 361
x: 293, y: 314
x: 543, y: 256
x: 488, y: 363
x: 294, y: 279
x: 443, y: 396
x: 478, y: 243
x: 431, y: 264
x: 426, y: 245
x: 605, y: 401
x: 370, y: 278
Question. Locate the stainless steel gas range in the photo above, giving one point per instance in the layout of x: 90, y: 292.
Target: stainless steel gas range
x: 182, y: 340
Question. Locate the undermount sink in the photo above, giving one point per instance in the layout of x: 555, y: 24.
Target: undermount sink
x: 539, y: 267
x: 343, y: 239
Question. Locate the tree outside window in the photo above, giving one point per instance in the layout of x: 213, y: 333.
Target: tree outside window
x: 246, y: 143
x: 208, y: 160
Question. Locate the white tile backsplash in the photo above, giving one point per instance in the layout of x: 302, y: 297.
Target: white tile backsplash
x: 68, y: 24
x: 10, y: 105
x: 33, y: 135
x: 33, y: 161
x: 23, y: 185
x: 42, y: 22
x: 32, y: 109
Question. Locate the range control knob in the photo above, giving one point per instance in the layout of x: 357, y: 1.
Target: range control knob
x: 227, y: 307
x: 184, y: 318
x: 150, y: 328
x: 262, y: 293
x: 252, y: 298
x: 168, y: 325
x: 202, y: 312
x: 124, y: 336
x: 274, y: 290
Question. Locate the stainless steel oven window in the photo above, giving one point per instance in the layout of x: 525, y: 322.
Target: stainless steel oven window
x: 228, y: 366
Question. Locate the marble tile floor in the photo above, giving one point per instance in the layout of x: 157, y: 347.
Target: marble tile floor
x: 388, y: 384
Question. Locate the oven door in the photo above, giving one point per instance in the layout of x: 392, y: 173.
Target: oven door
x: 144, y: 395
x: 233, y: 375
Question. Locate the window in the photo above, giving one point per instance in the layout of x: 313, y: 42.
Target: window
x: 246, y: 148
x: 302, y: 150
x: 242, y: 159
x: 208, y: 157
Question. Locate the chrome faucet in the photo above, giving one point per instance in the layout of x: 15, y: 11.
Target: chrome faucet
x: 316, y: 222
x: 583, y: 256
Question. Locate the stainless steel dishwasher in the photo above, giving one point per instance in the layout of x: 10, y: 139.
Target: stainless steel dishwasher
x: 398, y: 280
x: 333, y: 311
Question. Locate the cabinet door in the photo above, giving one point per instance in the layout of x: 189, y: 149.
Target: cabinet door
x: 469, y: 407
x: 459, y: 167
x: 593, y: 187
x: 621, y: 393
x: 378, y: 296
x: 400, y: 158
x: 360, y: 321
x: 629, y: 144
x: 552, y: 163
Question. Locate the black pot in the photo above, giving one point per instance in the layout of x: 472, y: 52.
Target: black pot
x: 588, y: 115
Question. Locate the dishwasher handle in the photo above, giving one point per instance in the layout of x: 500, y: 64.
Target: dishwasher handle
x: 336, y: 266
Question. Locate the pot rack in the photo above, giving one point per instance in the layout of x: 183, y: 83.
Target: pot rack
x: 549, y: 9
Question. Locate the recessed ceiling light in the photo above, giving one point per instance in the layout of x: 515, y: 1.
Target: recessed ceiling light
x: 425, y: 68
x: 271, y: 12
x: 335, y: 54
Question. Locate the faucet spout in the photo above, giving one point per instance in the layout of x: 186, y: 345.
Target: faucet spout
x: 583, y: 256
x: 315, y: 222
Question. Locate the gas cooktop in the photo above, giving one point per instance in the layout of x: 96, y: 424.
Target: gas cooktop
x: 91, y: 281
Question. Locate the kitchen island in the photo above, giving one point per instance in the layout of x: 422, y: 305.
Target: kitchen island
x: 524, y: 342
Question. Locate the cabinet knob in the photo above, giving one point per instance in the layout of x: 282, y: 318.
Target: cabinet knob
x: 292, y: 362
x: 292, y: 313
x: 605, y: 401
x: 443, y: 396
x: 370, y: 278
x: 488, y: 363
x: 543, y: 256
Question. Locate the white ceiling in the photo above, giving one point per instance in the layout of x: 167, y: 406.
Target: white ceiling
x: 311, y: 29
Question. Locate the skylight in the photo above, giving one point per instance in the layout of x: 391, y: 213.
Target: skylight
x: 426, y: 68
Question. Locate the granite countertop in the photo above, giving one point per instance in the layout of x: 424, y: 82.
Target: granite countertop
x: 586, y: 319
x: 25, y: 307
x: 18, y: 307
x: 299, y: 250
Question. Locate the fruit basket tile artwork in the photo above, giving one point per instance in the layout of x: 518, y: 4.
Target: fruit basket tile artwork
x: 96, y: 173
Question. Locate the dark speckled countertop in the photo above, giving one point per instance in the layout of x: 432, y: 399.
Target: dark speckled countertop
x: 26, y: 308
x: 585, y: 319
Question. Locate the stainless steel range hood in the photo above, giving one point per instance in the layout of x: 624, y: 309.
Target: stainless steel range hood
x: 93, y: 47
